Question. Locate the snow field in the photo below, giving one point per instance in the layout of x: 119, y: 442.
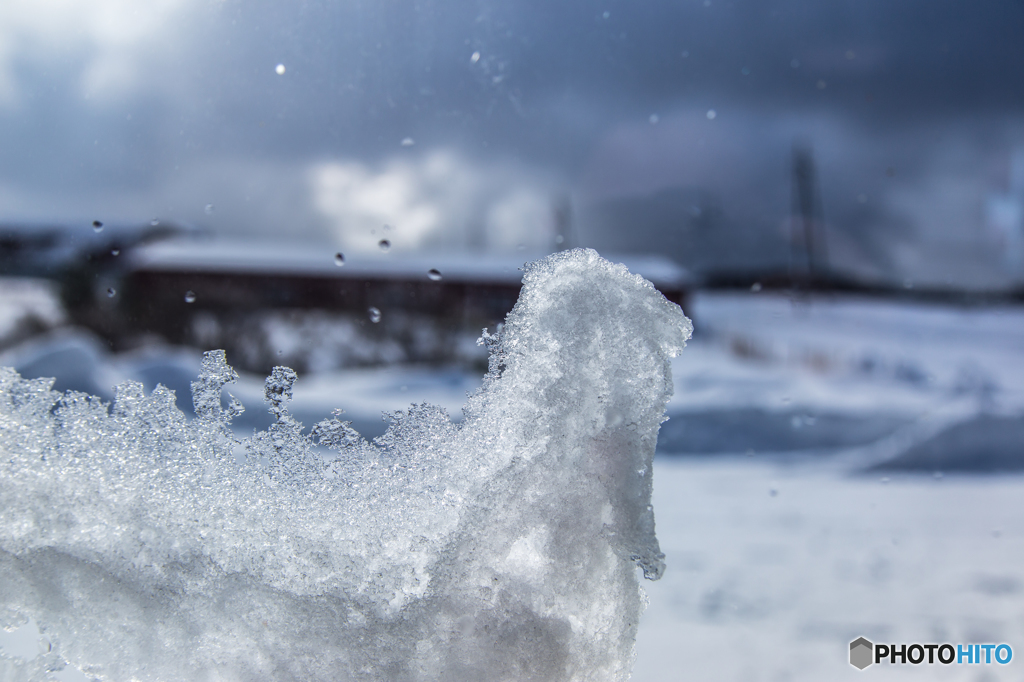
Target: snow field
x: 764, y: 586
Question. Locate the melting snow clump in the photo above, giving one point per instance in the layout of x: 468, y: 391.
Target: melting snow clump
x: 150, y: 547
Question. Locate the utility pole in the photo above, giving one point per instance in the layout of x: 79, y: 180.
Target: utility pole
x: 807, y: 236
x: 562, y: 212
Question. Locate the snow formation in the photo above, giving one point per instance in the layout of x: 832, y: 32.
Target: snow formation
x: 151, y: 547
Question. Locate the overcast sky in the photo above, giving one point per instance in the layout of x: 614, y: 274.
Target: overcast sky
x: 464, y: 122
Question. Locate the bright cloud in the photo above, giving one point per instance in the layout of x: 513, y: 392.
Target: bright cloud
x: 438, y: 200
x: 112, y: 38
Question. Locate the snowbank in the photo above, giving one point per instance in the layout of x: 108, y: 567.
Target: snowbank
x: 148, y: 546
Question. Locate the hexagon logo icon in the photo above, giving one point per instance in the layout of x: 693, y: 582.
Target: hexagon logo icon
x: 861, y: 653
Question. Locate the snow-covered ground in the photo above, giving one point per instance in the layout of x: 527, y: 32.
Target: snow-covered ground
x: 783, y: 542
x: 777, y: 562
x: 774, y: 569
x: 28, y: 306
x: 858, y: 355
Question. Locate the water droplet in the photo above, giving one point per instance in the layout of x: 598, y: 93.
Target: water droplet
x: 111, y: 292
x: 773, y: 492
x: 190, y: 296
x: 711, y: 114
x: 755, y: 287
x: 280, y: 69
x: 653, y: 119
x: 97, y: 226
x: 384, y: 244
x: 115, y: 252
x: 339, y: 259
x: 606, y: 15
x: 559, y: 239
x: 795, y: 63
x: 684, y: 54
x: 475, y: 57
x: 374, y: 314
x: 408, y: 142
x: 154, y: 222
x: 821, y: 84
x: 885, y: 480
x: 208, y: 209
x: 434, y: 274
x: 850, y: 54
x: 745, y: 71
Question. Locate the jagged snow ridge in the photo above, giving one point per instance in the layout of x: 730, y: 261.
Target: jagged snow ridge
x: 500, y: 548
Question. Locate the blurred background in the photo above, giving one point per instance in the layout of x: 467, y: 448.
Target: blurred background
x: 833, y: 190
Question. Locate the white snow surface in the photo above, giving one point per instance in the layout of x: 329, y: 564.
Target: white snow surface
x: 774, y: 569
x: 856, y: 355
x: 27, y: 304
x: 503, y: 547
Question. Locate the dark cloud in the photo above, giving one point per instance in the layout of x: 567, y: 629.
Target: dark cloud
x: 568, y: 86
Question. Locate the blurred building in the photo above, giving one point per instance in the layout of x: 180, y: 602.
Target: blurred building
x: 279, y: 303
